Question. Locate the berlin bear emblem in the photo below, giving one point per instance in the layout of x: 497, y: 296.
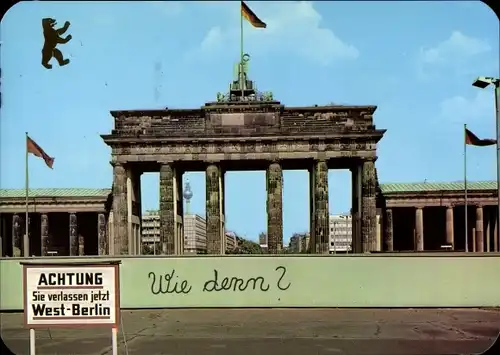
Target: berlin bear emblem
x: 52, y: 39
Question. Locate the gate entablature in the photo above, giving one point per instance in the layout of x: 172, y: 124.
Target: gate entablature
x: 252, y: 120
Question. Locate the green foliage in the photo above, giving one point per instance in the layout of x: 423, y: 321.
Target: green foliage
x: 245, y: 246
x: 149, y: 249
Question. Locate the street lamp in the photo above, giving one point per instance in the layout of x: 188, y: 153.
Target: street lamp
x: 483, y: 82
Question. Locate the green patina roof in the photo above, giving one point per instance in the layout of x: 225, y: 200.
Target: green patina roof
x: 437, y: 186
x: 386, y: 189
x: 54, y: 192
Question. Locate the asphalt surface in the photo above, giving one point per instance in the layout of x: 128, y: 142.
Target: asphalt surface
x: 272, y: 331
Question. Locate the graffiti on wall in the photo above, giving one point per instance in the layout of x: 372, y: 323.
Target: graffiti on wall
x: 172, y: 283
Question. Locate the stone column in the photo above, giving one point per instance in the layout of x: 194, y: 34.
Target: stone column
x: 369, y: 208
x: 110, y: 230
x: 138, y: 203
x: 222, y: 183
x: 313, y: 243
x: 321, y: 216
x: 389, y: 230
x: 419, y: 229
x: 120, y: 213
x: 274, y: 189
x: 479, y: 230
x: 102, y: 243
x: 17, y: 239
x: 44, y: 227
x: 130, y: 222
x: 213, y: 210
x: 450, y: 238
x: 3, y: 234
x: 73, y: 235
x: 167, y: 210
x: 487, y: 235
x: 178, y: 212
x: 496, y: 238
x: 26, y: 238
x: 81, y: 245
x: 474, y: 244
x: 133, y: 207
x: 357, y: 241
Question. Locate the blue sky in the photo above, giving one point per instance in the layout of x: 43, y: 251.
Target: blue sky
x: 414, y: 60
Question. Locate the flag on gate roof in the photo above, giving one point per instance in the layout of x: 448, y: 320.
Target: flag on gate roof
x: 251, y: 17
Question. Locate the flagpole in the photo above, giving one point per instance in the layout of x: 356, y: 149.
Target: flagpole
x: 241, y: 52
x: 465, y: 192
x: 26, y: 241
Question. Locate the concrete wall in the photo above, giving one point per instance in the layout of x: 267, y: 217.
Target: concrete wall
x: 404, y: 280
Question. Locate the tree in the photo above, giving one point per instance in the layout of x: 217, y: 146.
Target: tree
x: 245, y: 246
x: 149, y: 249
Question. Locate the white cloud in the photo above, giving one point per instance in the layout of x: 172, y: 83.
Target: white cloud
x: 459, y: 109
x: 455, y: 53
x: 458, y: 45
x: 292, y: 27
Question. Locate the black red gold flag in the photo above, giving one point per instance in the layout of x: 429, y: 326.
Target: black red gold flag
x: 251, y: 17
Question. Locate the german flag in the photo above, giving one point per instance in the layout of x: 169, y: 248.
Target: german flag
x: 472, y: 139
x: 33, y: 148
x: 251, y: 17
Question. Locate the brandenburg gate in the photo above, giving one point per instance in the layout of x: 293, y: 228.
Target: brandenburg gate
x: 243, y: 130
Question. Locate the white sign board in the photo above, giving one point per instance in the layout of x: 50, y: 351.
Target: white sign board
x: 71, y: 295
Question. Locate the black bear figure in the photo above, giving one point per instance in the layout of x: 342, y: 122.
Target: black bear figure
x: 52, y: 39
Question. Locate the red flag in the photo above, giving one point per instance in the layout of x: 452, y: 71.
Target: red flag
x: 36, y: 150
x: 472, y: 139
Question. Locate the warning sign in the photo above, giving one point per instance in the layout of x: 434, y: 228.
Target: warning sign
x: 65, y: 295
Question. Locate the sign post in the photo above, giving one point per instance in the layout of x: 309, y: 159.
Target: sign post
x: 67, y: 295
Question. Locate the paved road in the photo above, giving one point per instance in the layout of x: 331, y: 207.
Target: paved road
x: 272, y: 331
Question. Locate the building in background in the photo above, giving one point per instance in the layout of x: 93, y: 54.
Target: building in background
x: 150, y: 229
x: 305, y: 242
x: 195, y: 234
x: 231, y: 242
x: 188, y: 195
x: 195, y: 237
x: 61, y: 222
x: 340, y: 234
x: 263, y: 242
x: 299, y: 243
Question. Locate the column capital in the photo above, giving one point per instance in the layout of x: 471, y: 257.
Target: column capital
x: 369, y: 159
x: 73, y: 235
